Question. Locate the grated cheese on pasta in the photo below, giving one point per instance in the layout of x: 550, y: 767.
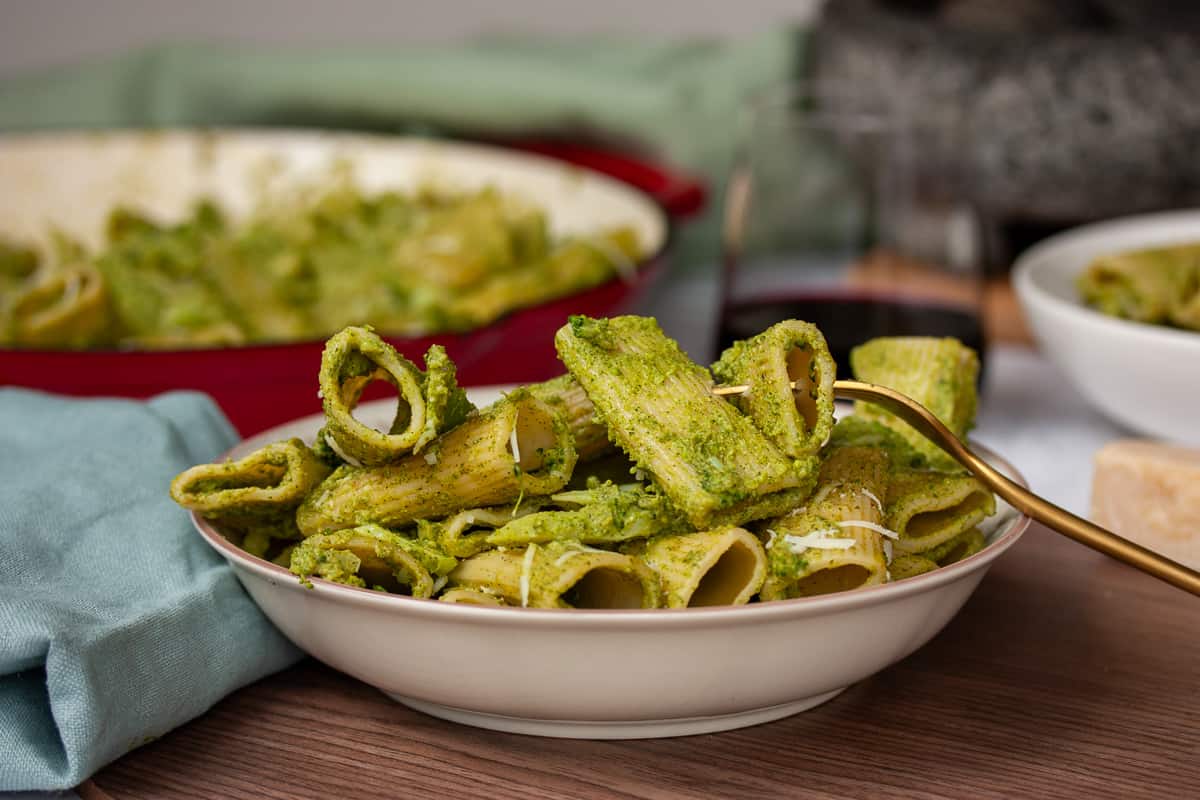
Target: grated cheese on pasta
x: 333, y: 445
x: 871, y: 526
x: 526, y: 568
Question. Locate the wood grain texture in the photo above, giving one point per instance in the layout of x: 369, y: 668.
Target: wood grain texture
x: 1066, y: 675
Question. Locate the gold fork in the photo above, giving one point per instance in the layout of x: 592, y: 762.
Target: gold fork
x: 1020, y: 498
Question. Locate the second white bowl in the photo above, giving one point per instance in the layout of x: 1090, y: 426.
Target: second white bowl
x: 1145, y: 377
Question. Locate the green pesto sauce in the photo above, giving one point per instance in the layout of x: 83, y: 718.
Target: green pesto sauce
x: 940, y: 374
x: 607, y: 514
x: 761, y: 363
x: 701, y: 452
x: 857, y: 431
x: 309, y: 263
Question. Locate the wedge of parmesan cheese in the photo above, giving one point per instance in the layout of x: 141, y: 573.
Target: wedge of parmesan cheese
x: 1150, y: 494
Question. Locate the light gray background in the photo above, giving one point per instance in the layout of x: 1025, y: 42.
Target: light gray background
x: 40, y: 33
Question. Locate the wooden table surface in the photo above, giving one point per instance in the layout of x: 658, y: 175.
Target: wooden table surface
x: 1065, y: 675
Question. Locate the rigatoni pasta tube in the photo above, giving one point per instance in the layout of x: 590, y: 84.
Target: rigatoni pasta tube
x: 68, y: 307
x: 965, y: 544
x: 796, y: 420
x: 939, y: 374
x: 561, y: 575
x: 369, y: 556
x: 517, y: 447
x: 427, y: 404
x: 724, y: 567
x: 836, y: 543
x: 928, y: 508
x: 466, y: 533
x: 1142, y: 285
x: 470, y: 597
x: 708, y: 458
x: 270, y: 480
x: 591, y: 438
x: 907, y: 565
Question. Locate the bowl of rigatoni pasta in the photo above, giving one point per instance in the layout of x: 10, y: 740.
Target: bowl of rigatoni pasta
x: 1116, y: 306
x: 617, y: 552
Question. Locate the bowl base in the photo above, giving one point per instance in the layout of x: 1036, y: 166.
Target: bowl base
x: 616, y: 729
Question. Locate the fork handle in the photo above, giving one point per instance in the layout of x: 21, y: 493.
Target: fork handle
x: 1020, y: 498
x: 1084, y: 531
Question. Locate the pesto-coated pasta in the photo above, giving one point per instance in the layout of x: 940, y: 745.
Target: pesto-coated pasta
x: 470, y: 597
x: 272, y: 479
x: 797, y: 420
x: 561, y: 575
x: 606, y: 514
x: 723, y: 567
x: 687, y: 499
x: 908, y: 565
x: 965, y: 544
x: 708, y: 458
x: 427, y: 403
x: 855, y: 431
x: 468, y: 532
x: 590, y: 436
x: 939, y: 374
x: 836, y: 542
x: 519, y: 446
x: 67, y: 305
x: 371, y: 556
x: 928, y: 508
x: 313, y: 261
x: 1159, y: 285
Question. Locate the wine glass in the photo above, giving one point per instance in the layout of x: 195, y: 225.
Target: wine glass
x: 855, y: 218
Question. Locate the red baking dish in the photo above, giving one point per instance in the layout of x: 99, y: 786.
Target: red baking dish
x: 73, y: 180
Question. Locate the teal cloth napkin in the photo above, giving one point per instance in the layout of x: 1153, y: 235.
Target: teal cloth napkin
x: 117, y: 622
x: 677, y: 100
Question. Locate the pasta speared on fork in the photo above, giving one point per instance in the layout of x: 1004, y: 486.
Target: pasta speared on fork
x: 632, y: 481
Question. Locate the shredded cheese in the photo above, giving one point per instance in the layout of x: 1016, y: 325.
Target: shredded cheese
x: 817, y: 540
x: 871, y: 526
x: 770, y: 539
x: 512, y: 441
x: 439, y: 583
x: 578, y: 549
x: 333, y: 445
x: 431, y: 458
x: 526, y: 568
x: 887, y: 550
x: 871, y: 496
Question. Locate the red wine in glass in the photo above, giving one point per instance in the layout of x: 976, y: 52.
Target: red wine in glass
x: 849, y: 318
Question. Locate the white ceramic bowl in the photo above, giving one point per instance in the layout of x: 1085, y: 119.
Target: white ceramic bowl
x: 1145, y: 377
x: 599, y: 674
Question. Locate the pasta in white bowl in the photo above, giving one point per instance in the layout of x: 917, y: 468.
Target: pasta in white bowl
x: 605, y: 673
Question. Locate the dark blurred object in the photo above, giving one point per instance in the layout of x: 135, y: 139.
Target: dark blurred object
x: 1076, y: 110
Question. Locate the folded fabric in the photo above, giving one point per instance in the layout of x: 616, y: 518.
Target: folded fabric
x: 117, y: 622
x: 678, y: 100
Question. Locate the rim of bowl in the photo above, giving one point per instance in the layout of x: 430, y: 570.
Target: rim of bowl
x: 1046, y: 253
x: 639, y: 617
x: 643, y: 268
